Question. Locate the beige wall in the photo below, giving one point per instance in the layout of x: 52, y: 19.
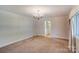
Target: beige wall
x: 59, y: 26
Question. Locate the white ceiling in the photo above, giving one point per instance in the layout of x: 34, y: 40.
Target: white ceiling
x: 54, y: 10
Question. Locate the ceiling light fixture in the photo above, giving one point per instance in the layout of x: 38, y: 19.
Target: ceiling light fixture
x: 37, y: 15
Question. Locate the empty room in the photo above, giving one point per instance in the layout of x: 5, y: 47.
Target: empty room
x: 39, y: 29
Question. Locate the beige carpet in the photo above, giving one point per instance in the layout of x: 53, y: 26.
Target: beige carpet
x: 38, y: 44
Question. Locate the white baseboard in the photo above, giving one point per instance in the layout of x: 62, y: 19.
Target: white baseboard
x: 6, y: 44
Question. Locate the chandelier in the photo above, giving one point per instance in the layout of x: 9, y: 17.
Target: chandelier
x: 37, y: 15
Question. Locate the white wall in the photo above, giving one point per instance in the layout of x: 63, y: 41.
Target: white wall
x: 14, y: 27
x: 59, y: 27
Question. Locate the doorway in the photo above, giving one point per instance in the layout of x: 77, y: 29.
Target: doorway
x: 47, y: 24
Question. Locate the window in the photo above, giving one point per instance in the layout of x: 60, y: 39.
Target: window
x: 75, y: 25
